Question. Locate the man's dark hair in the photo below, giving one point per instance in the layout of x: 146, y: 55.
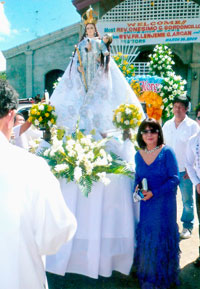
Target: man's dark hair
x: 8, y: 98
x: 152, y: 123
x: 18, y: 113
x: 185, y: 102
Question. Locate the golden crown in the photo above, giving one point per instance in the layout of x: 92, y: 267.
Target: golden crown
x: 88, y: 16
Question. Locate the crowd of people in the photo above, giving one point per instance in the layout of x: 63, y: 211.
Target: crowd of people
x: 35, y: 219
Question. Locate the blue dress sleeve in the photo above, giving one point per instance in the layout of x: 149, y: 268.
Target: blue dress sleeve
x: 172, y: 172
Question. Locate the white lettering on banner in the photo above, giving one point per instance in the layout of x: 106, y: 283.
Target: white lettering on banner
x: 152, y: 32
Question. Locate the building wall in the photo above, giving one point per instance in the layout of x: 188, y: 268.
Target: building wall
x: 54, y: 56
x: 28, y: 63
x: 16, y: 73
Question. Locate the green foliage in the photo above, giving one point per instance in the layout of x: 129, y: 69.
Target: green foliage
x: 3, y: 75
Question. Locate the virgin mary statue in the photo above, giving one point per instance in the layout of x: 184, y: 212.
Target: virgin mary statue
x: 90, y: 89
x: 92, y: 85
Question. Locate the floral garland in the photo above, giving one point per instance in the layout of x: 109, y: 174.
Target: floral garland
x: 127, y: 116
x: 154, y: 104
x: 135, y: 85
x: 126, y: 68
x: 42, y: 115
x: 81, y: 159
x: 172, y: 86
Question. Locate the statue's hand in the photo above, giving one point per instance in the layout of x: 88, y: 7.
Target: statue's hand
x: 80, y: 69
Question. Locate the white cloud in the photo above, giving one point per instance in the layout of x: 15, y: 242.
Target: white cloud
x: 4, y: 23
x: 15, y: 31
x: 2, y: 62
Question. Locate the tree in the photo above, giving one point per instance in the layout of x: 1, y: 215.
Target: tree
x: 3, y: 75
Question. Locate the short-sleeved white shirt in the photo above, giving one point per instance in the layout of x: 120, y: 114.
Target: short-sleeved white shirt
x: 177, y: 138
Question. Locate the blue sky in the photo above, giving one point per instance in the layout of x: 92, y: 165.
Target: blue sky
x: 24, y: 20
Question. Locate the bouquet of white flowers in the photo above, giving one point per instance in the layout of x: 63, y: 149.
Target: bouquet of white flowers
x: 81, y: 159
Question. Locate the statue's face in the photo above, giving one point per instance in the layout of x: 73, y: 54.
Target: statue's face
x: 90, y: 30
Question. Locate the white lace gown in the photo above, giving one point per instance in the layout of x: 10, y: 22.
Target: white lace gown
x: 105, y: 238
x: 105, y: 92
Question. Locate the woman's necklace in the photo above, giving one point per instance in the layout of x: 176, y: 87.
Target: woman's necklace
x: 151, y: 151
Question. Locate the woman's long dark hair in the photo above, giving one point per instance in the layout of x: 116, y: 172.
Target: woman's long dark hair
x: 107, y: 60
x: 83, y: 36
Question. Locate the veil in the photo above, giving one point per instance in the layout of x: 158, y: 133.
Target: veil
x: 94, y: 108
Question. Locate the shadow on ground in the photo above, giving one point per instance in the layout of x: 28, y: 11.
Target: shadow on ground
x: 76, y: 281
x: 189, y: 278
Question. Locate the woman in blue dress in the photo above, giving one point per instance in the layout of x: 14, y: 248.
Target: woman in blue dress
x: 157, y: 253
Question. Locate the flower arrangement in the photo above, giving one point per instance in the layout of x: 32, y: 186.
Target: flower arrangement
x: 135, y: 85
x: 161, y: 61
x: 126, y: 68
x: 154, y: 104
x: 82, y: 159
x: 172, y: 85
x: 42, y: 115
x: 127, y: 116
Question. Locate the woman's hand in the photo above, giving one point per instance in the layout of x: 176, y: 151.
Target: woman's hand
x: 147, y: 195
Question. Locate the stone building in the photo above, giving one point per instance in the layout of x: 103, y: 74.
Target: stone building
x: 35, y: 65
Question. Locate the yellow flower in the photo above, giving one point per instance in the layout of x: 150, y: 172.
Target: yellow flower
x: 122, y: 120
x: 119, y: 53
x: 47, y: 114
x: 49, y: 108
x: 30, y: 119
x: 38, y: 113
x: 124, y: 68
x: 52, y: 121
x: 117, y: 58
x: 133, y: 74
x: 128, y: 71
x: 131, y: 121
x: 40, y: 119
x: 125, y: 56
x: 125, y: 62
x: 131, y: 66
x: 33, y: 111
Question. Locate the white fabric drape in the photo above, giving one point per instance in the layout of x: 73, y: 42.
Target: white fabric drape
x: 105, y: 238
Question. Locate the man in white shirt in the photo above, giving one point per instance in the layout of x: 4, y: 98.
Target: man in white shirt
x: 177, y: 132
x: 193, y: 169
x: 23, y: 132
x: 33, y: 216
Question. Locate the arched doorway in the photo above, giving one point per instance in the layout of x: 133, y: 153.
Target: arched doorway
x: 52, y: 77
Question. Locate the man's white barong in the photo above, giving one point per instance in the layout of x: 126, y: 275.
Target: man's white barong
x: 34, y: 219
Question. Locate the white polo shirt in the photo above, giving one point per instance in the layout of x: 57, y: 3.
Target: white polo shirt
x: 193, y: 159
x: 177, y: 138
